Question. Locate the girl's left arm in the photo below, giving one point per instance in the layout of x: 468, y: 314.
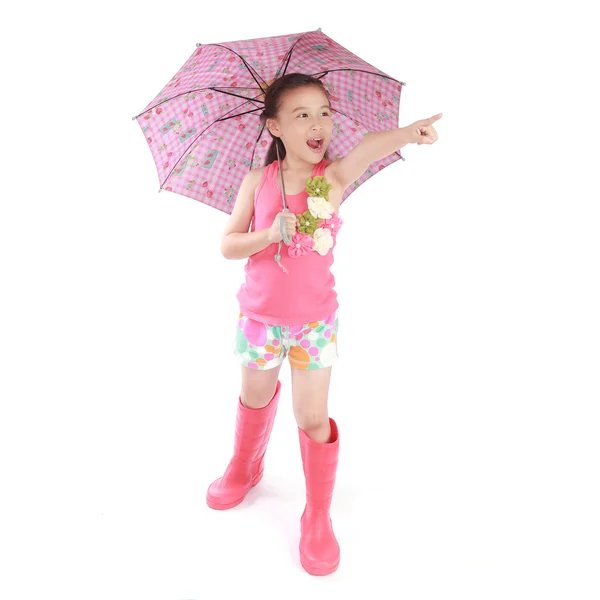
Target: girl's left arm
x: 378, y: 145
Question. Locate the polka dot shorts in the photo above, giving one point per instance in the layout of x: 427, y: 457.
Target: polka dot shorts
x: 309, y: 346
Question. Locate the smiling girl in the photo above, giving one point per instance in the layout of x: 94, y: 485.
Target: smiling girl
x: 288, y: 304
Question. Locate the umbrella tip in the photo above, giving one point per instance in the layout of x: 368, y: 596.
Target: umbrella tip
x: 319, y: 29
x: 198, y: 45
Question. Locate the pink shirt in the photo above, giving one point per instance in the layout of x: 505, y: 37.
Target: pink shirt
x: 306, y: 293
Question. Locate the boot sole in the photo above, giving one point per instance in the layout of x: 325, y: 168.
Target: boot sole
x: 220, y: 506
x: 318, y: 570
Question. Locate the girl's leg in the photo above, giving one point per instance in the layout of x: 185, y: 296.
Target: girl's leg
x: 312, y: 354
x: 319, y: 446
x: 310, y: 392
x: 257, y: 407
x: 259, y: 348
x: 258, y: 387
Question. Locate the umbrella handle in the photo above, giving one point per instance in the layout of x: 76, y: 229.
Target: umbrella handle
x: 284, y: 234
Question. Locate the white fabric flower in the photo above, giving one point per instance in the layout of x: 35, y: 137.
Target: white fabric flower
x: 323, y: 240
x: 320, y: 208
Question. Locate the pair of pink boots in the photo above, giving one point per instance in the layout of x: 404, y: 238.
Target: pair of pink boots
x: 319, y: 549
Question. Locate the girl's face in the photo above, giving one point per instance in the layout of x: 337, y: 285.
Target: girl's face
x: 304, y: 115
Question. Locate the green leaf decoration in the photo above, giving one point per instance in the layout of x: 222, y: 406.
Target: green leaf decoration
x: 308, y: 223
x: 318, y: 187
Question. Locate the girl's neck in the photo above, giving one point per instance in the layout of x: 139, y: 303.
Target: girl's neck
x: 297, y: 166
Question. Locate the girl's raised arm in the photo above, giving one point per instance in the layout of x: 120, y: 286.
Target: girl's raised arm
x: 378, y: 145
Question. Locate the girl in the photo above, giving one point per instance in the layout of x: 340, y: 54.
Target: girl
x: 288, y: 303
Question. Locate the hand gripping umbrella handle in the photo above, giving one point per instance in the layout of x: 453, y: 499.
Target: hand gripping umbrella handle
x: 284, y: 234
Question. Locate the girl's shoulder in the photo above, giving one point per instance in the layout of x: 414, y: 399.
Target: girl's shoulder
x: 258, y: 171
x: 257, y: 175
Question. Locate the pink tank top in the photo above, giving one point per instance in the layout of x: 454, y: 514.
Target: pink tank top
x: 306, y: 292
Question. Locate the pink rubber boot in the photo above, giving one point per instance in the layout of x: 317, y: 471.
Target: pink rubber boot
x: 319, y: 549
x: 252, y: 432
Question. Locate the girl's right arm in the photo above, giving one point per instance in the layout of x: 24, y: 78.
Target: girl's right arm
x: 237, y: 242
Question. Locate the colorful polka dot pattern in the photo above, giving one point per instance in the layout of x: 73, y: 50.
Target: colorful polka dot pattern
x: 309, y: 346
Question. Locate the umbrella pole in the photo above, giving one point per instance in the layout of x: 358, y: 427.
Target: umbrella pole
x: 284, y: 235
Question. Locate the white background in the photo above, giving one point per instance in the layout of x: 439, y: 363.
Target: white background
x: 468, y: 277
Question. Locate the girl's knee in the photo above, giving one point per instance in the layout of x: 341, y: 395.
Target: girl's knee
x: 258, y: 387
x: 314, y: 421
x: 255, y: 398
x: 317, y: 430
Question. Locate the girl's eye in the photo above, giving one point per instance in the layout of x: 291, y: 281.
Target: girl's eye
x: 323, y: 113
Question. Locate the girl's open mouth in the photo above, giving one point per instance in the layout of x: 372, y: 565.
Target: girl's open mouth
x: 315, y: 144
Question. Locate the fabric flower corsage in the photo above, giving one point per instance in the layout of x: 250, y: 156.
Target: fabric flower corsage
x: 332, y: 224
x: 301, y: 244
x: 320, y: 208
x: 318, y: 186
x: 323, y: 241
x: 308, y: 223
x: 319, y: 224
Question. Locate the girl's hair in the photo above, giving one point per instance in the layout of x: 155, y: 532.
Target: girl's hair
x: 273, y: 98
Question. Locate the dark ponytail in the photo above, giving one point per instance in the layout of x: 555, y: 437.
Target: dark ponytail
x: 273, y: 103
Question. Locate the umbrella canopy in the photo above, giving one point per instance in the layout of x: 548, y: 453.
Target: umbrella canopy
x: 204, y: 128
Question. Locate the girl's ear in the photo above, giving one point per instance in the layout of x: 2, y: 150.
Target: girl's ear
x: 273, y: 127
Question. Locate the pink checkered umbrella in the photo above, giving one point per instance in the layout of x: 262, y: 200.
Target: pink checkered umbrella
x: 203, y: 128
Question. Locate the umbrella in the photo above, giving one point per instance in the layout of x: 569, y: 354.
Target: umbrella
x: 203, y: 128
